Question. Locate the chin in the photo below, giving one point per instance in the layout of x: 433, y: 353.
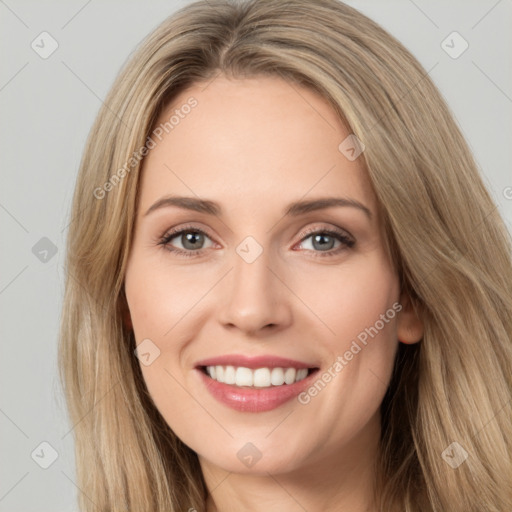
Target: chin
x: 259, y: 457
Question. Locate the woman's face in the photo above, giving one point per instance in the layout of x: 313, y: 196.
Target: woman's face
x: 258, y: 257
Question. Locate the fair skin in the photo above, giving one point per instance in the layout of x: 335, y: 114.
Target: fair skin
x: 254, y: 146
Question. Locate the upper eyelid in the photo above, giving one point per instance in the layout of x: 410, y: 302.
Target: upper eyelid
x: 335, y: 230
x: 172, y: 233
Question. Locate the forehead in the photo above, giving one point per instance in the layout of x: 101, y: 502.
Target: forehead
x: 248, y: 139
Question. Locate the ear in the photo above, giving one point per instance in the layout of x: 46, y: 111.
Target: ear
x: 409, y: 325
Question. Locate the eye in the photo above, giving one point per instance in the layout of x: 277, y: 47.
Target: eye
x: 187, y: 241
x: 191, y: 241
x: 326, y: 242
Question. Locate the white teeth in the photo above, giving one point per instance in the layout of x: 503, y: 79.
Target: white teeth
x: 259, y: 378
x: 289, y: 375
x: 277, y: 377
x: 244, y: 376
x: 301, y: 374
x: 229, y: 375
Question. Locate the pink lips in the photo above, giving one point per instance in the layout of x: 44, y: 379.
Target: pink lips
x: 248, y: 399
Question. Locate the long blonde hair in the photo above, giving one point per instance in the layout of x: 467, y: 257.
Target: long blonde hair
x: 449, y: 245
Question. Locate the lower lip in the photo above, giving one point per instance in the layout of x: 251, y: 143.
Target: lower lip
x: 254, y: 399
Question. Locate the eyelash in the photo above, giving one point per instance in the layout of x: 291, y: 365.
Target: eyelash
x: 347, y: 242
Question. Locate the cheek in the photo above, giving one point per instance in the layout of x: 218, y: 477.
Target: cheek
x: 360, y: 307
x: 159, y: 302
x: 159, y: 298
x: 165, y: 308
x: 351, y: 298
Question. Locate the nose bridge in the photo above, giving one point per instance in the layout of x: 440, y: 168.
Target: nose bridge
x: 252, y: 278
x: 254, y: 296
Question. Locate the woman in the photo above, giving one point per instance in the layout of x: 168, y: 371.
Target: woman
x: 288, y: 288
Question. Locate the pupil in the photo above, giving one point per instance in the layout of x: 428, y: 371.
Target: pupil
x: 190, y: 240
x: 321, y: 239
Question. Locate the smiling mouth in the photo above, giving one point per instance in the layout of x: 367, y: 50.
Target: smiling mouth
x: 259, y: 378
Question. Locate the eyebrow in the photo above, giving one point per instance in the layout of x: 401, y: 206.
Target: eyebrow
x: 294, y: 209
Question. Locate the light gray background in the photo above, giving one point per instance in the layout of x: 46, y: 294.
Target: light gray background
x: 47, y: 107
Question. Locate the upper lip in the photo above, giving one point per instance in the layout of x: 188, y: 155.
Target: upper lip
x: 254, y: 362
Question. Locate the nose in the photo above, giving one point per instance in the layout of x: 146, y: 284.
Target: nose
x: 256, y: 300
